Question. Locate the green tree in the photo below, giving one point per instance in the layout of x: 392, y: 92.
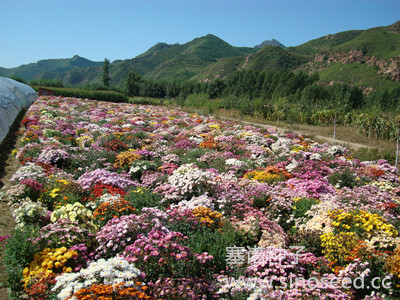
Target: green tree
x: 133, y: 84
x: 106, y: 72
x: 17, y: 78
x: 215, y: 89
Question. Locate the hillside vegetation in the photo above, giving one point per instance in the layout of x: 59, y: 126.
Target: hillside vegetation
x: 370, y: 56
x: 50, y: 68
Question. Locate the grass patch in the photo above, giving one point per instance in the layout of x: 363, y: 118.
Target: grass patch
x: 378, y: 42
x: 357, y: 74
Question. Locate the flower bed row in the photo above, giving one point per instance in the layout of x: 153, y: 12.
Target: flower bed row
x: 122, y: 201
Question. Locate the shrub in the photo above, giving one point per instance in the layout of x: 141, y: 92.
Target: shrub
x: 215, y: 242
x: 18, y: 253
x: 146, y: 101
x: 310, y: 239
x: 45, y: 83
x: 345, y: 178
x: 302, y: 205
x: 142, y: 197
x: 110, y: 96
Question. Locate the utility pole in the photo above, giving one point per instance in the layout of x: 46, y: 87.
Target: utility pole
x: 334, y: 128
x: 397, y: 146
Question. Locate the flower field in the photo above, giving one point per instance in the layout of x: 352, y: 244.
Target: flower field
x: 122, y: 201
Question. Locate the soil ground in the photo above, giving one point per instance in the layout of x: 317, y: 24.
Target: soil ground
x: 8, y: 166
x: 319, y: 138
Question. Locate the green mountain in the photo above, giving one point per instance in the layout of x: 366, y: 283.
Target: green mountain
x: 268, y: 58
x: 367, y: 58
x: 184, y: 61
x: 313, y: 47
x: 49, y: 68
x: 162, y: 61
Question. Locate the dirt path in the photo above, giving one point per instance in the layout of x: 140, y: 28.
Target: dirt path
x: 245, y: 63
x: 319, y: 138
x: 8, y: 166
x: 7, y: 222
x: 351, y: 145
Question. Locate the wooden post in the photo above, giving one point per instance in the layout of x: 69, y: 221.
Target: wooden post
x: 334, y: 129
x: 397, y: 147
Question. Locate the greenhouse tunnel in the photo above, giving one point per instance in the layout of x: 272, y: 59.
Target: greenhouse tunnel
x: 14, y: 96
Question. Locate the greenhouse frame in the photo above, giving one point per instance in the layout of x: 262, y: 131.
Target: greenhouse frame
x: 14, y: 97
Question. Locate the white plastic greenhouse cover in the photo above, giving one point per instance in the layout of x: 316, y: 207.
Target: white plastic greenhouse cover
x: 14, y: 96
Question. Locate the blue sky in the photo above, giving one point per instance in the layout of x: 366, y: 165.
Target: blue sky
x: 32, y: 30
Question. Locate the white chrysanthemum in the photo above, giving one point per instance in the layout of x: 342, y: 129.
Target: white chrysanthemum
x: 196, y: 139
x: 336, y: 150
x: 112, y: 271
x: 195, y: 202
x: 235, y: 162
x: 108, y: 198
x: 187, y: 177
x: 293, y: 165
x: 281, y: 145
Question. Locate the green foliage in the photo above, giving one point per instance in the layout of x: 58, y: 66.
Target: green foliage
x: 133, y: 84
x: 139, y: 166
x: 53, y: 69
x: 356, y: 74
x: 192, y: 156
x: 204, y: 239
x: 224, y: 67
x: 152, y: 88
x: 195, y: 100
x: 345, y: 178
x: 324, y: 43
x: 17, y: 78
x: 109, y: 96
x: 140, y: 135
x: 215, y: 88
x: 303, y: 205
x: 310, y: 239
x: 373, y: 154
x: 106, y: 72
x: 184, y: 61
x: 218, y: 164
x: 379, y: 42
x: 101, y: 87
x: 387, y: 100
x: 146, y: 101
x: 142, y: 197
x: 272, y: 58
x: 261, y: 201
x: 46, y: 83
x: 18, y: 253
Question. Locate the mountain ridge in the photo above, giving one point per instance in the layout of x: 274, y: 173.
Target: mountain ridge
x: 272, y: 42
x: 209, y: 57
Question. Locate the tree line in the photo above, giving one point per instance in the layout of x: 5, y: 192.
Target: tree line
x: 252, y: 91
x: 274, y: 95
